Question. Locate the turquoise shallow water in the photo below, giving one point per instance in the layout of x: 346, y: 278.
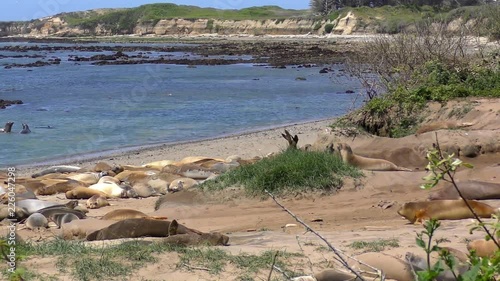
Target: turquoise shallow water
x: 99, y: 108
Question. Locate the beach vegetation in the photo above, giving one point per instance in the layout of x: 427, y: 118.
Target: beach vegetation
x: 329, y: 27
x: 85, y: 262
x: 290, y: 171
x: 378, y: 245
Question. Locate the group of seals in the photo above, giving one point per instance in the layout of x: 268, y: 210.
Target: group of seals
x: 366, y: 163
x: 8, y: 128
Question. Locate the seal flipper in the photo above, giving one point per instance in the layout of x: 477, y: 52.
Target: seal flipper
x: 172, y: 228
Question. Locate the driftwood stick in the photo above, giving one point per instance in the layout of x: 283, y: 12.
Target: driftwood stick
x: 292, y: 141
x: 195, y: 267
x: 337, y: 252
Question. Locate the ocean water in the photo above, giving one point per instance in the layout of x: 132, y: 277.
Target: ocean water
x: 102, y: 108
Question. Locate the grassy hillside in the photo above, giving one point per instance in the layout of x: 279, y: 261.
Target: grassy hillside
x: 126, y: 19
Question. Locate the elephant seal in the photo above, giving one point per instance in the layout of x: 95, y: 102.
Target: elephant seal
x: 334, y: 275
x: 135, y: 228
x: 419, y: 263
x: 7, y: 128
x: 158, y: 165
x: 45, y: 127
x: 36, y: 221
x: 483, y: 248
x: 48, y: 212
x: 56, y: 169
x: 124, y: 214
x: 145, y: 190
x: 79, y: 229
x: 96, y: 202
x: 392, y: 267
x: 51, y: 187
x: 88, y: 178
x: 444, y: 210
x: 129, y: 192
x: 365, y: 163
x: 34, y: 205
x: 109, y: 179
x: 111, y: 189
x: 439, y: 125
x: 471, y: 189
x: 182, y: 184
x: 59, y: 218
x: 84, y: 193
x: 26, y: 129
x: 19, y: 213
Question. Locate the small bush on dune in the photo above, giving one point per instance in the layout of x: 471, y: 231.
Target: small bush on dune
x: 292, y: 170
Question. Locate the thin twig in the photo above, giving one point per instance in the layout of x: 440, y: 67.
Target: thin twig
x: 463, y: 198
x: 272, y: 266
x: 337, y: 252
x: 281, y: 271
x: 308, y: 259
x: 195, y: 267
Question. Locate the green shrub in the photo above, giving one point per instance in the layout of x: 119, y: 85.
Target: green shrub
x: 329, y: 27
x: 292, y: 170
x: 317, y: 26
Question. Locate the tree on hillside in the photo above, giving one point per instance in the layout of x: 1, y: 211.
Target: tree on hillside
x: 323, y: 7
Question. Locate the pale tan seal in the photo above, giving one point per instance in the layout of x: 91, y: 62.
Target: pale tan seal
x: 392, y: 267
x: 111, y: 189
x: 124, y: 214
x: 135, y: 177
x: 365, y: 163
x: 88, y: 178
x: 471, y: 189
x: 419, y: 263
x: 483, y: 248
x: 36, y: 221
x: 96, y: 202
x: 158, y: 165
x: 79, y: 229
x: 439, y: 125
x: 444, y: 210
x: 109, y: 179
x: 182, y: 184
x: 83, y: 193
x: 51, y: 187
x: 144, y: 190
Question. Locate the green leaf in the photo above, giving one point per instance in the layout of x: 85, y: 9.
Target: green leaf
x: 421, y: 243
x: 468, y: 165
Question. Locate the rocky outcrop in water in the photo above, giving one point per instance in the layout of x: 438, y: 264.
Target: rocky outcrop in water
x: 5, y: 103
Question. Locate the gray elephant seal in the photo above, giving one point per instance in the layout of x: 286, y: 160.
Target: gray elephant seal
x: 128, y: 191
x: 471, y: 189
x: 26, y: 129
x: 366, y: 163
x: 7, y: 128
x: 60, y: 218
x: 34, y: 205
x: 144, y: 190
x: 36, y: 221
x: 96, y: 202
x: 56, y: 169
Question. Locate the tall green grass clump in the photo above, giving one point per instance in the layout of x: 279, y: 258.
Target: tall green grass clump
x: 292, y: 170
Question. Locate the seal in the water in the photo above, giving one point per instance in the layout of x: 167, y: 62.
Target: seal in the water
x: 471, y: 189
x: 36, y: 221
x: 96, y: 202
x: 56, y: 169
x: 444, y: 210
x: 61, y: 218
x: 26, y: 129
x: 44, y: 127
x: 365, y: 163
x: 7, y: 128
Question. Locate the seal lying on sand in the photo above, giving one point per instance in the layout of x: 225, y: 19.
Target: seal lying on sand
x: 124, y: 214
x: 96, y: 202
x: 471, y: 189
x: 444, y: 210
x: 365, y: 163
x: 111, y: 189
x: 439, y: 125
x: 36, y: 221
x: 392, y: 267
x: 34, y: 205
x: 56, y: 169
x: 420, y: 264
x: 483, y: 248
x: 84, y: 193
x: 59, y: 219
x: 7, y: 128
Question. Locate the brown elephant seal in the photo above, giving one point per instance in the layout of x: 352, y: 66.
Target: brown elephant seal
x: 96, y: 202
x: 36, y: 221
x: 79, y: 229
x: 444, y: 210
x: 134, y: 228
x: 124, y: 214
x: 365, y: 163
x: 83, y: 193
x: 483, y: 248
x: 7, y: 128
x: 88, y: 178
x: 439, y: 125
x: 392, y: 267
x: 471, y: 189
x: 56, y: 169
x: 55, y: 186
x: 59, y: 218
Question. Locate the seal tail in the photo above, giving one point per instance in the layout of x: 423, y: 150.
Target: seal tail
x: 158, y: 218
